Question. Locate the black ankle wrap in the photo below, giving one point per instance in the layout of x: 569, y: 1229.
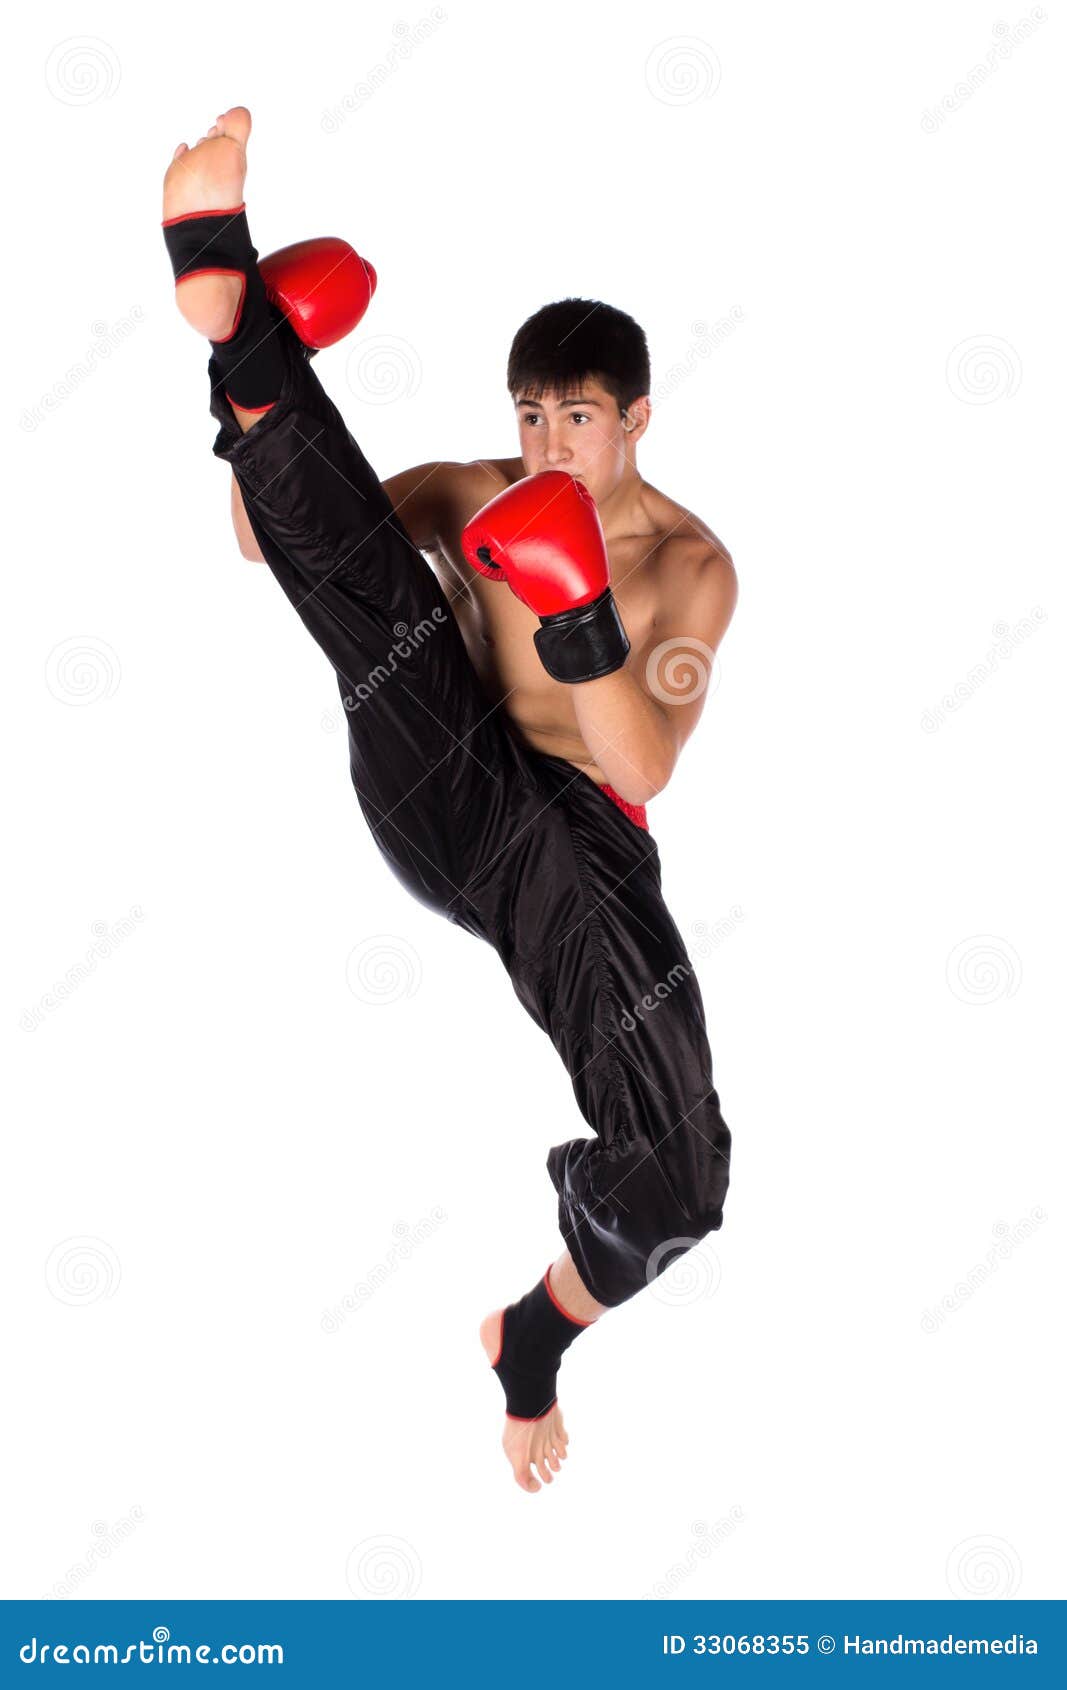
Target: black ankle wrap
x: 218, y: 243
x: 534, y: 1336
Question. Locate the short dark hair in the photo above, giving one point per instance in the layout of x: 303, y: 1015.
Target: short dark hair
x: 576, y: 338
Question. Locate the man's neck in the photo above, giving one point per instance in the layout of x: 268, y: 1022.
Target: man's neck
x: 621, y: 511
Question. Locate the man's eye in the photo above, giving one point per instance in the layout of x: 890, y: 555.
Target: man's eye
x: 580, y: 416
x: 531, y: 417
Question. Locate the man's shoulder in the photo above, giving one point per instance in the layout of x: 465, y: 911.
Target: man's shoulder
x: 683, y: 542
x: 483, y: 477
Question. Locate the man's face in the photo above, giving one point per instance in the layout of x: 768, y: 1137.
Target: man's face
x: 580, y: 431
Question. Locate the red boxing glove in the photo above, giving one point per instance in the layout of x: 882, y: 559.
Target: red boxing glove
x: 543, y: 537
x: 322, y: 286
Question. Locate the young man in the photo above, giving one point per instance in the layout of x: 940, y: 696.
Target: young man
x: 504, y: 747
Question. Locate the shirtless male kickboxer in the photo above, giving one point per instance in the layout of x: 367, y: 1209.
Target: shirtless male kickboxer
x: 510, y: 712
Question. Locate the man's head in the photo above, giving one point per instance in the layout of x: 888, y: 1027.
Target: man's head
x: 579, y: 375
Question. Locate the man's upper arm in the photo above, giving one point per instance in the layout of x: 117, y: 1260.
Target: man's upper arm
x: 433, y: 500
x: 420, y: 498
x: 675, y: 666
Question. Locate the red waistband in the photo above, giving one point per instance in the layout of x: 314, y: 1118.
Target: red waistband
x: 636, y: 812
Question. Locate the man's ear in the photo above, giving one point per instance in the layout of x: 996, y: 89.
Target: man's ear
x: 635, y: 418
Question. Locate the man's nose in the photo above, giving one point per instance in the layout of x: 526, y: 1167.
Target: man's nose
x: 557, y: 450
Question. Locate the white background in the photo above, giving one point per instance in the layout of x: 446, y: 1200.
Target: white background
x: 213, y: 1139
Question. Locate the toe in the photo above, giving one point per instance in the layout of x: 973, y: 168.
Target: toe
x: 525, y: 1479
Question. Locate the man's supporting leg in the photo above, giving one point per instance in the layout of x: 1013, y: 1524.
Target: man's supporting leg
x: 604, y: 970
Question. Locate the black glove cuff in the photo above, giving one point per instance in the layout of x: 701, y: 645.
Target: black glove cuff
x: 583, y: 644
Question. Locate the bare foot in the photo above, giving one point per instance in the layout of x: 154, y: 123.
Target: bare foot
x: 540, y: 1444
x: 210, y: 177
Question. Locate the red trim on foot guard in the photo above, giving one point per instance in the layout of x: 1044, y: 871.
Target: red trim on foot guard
x: 212, y: 211
x: 573, y: 1318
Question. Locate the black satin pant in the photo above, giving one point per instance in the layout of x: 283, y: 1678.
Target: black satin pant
x: 519, y: 848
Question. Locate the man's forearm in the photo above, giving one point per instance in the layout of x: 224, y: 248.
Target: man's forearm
x: 627, y: 734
